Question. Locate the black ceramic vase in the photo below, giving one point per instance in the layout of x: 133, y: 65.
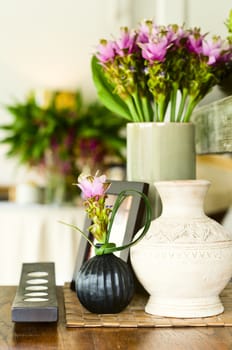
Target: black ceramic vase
x: 105, y: 284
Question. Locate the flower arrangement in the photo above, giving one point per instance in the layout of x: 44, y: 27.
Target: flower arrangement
x: 94, y: 192
x: 63, y: 135
x: 144, y: 71
x: 64, y: 126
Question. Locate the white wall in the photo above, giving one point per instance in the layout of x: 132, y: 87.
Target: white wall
x: 209, y: 15
x: 142, y: 9
x: 47, y: 44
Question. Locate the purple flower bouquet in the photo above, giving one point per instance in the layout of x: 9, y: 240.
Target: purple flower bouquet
x: 138, y: 75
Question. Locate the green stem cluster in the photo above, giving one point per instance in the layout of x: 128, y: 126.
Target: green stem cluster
x: 135, y: 105
x: 173, y: 102
x: 185, y: 108
x: 140, y: 108
x: 191, y: 105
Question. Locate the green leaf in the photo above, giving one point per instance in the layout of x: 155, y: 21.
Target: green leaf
x: 105, y: 92
x: 79, y: 230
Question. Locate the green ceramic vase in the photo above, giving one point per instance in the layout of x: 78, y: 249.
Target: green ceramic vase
x: 158, y: 152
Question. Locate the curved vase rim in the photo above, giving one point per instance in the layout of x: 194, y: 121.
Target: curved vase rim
x: 185, y: 182
x: 146, y: 124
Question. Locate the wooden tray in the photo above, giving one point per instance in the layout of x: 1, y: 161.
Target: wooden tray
x: 135, y: 316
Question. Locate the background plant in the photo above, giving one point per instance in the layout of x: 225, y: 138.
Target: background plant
x: 228, y: 24
x: 64, y: 135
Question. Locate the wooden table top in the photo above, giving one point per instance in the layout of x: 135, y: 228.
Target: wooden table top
x: 57, y: 336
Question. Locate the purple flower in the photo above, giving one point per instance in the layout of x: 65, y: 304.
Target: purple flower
x: 174, y: 34
x: 105, y: 51
x: 155, y: 51
x: 195, y: 41
x: 92, y: 186
x: 144, y: 32
x: 212, y: 49
x: 194, y: 44
x: 226, y: 56
x: 69, y: 138
x: 126, y: 44
x: 168, y: 60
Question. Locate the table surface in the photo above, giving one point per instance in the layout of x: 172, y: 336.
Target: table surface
x: 56, y: 336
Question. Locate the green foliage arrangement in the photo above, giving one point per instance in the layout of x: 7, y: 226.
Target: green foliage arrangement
x: 65, y: 134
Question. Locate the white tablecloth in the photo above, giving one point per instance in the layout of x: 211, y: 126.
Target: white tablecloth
x: 32, y: 233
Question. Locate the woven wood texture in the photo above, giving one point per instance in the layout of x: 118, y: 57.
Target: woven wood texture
x: 135, y: 316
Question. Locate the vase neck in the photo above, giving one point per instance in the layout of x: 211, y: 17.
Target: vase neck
x: 182, y: 198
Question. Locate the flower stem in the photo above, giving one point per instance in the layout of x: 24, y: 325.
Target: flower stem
x: 147, y: 109
x: 137, y: 104
x: 77, y: 229
x: 110, y: 247
x: 191, y: 105
x: 182, y: 104
x: 156, y: 112
x: 162, y: 108
x: 133, y: 111
x: 121, y: 197
x: 173, y: 102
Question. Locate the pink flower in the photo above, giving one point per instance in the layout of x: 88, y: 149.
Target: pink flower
x: 173, y: 33
x: 92, y: 186
x: 155, y: 51
x: 158, y: 63
x: 144, y: 33
x: 212, y: 49
x: 194, y: 43
x: 106, y: 51
x: 126, y: 44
